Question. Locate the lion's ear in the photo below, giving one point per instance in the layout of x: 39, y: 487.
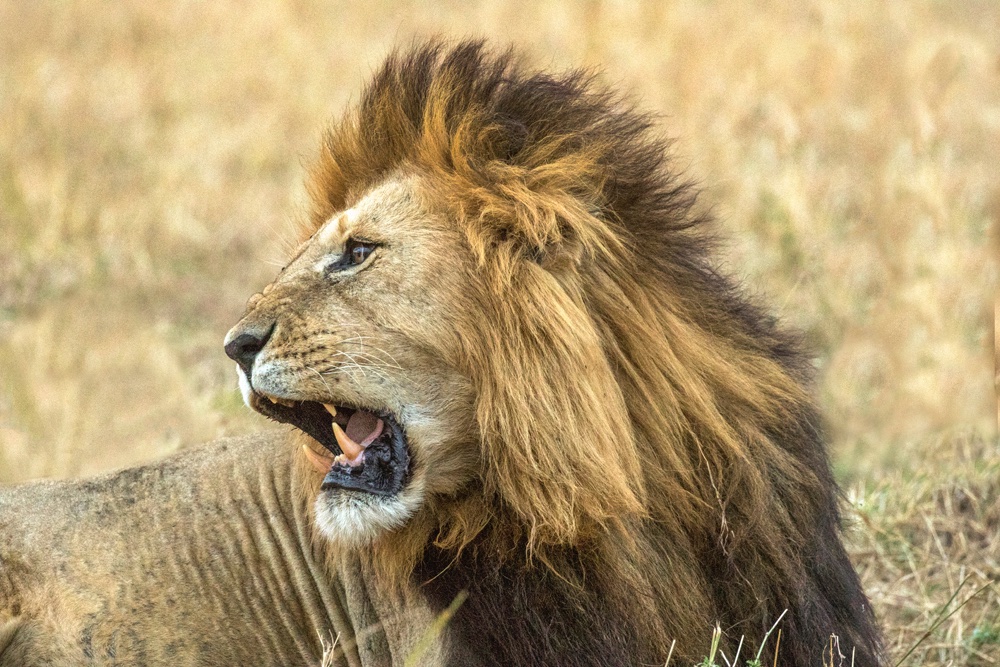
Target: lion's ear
x: 559, y: 449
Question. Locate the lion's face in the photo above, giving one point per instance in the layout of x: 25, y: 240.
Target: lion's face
x: 355, y: 344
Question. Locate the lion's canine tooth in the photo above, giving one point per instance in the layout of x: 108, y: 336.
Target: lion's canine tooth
x: 350, y: 448
x: 318, y: 461
x: 332, y: 409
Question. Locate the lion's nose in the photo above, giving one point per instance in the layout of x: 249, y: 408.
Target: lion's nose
x: 243, y: 344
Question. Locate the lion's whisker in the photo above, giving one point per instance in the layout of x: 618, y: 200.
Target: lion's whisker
x: 361, y: 340
x: 320, y: 375
x: 394, y: 364
x: 353, y: 359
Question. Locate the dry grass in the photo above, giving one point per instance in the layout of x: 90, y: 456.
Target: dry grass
x: 150, y: 164
x: 929, y: 534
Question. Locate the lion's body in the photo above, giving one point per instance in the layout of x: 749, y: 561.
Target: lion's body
x: 587, y: 428
x: 139, y: 568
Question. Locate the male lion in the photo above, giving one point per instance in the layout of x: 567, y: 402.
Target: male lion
x: 515, y: 376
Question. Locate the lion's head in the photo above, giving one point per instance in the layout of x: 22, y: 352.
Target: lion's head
x: 439, y: 308
x: 503, y: 314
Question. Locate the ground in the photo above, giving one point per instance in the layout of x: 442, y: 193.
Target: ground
x: 150, y: 174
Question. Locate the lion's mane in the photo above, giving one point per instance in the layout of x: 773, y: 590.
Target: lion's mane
x: 652, y: 461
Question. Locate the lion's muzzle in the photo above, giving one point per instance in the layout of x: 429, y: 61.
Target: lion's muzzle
x: 368, y: 447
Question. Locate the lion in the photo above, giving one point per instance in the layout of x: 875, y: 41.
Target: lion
x: 523, y: 400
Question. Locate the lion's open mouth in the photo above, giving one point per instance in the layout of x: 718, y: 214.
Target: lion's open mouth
x: 369, y: 448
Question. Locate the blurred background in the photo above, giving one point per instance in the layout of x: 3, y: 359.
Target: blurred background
x: 151, y: 160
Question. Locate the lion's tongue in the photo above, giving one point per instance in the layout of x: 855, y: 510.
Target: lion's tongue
x: 363, y: 428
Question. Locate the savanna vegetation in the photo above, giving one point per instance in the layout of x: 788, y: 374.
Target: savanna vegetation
x: 150, y: 178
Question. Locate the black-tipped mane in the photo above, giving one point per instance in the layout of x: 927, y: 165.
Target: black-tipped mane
x: 714, y: 500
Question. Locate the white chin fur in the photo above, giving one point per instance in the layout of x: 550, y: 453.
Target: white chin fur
x: 244, y: 385
x: 356, y: 518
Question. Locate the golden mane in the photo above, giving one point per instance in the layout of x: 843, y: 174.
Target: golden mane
x: 633, y: 406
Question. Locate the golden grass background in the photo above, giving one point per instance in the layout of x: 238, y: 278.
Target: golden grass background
x: 150, y: 172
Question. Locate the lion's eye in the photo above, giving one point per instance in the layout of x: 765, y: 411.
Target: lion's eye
x: 355, y: 254
x: 359, y: 252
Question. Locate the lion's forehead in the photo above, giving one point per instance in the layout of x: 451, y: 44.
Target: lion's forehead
x: 338, y: 227
x: 381, y: 210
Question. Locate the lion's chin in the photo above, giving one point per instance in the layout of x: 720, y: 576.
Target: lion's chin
x: 355, y: 518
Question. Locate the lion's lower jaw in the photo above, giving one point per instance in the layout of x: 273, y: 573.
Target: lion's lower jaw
x: 354, y: 518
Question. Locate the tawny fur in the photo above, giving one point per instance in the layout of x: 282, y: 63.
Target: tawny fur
x: 612, y: 448
x: 642, y: 425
